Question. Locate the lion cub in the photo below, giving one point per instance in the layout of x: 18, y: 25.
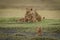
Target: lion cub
x: 39, y: 31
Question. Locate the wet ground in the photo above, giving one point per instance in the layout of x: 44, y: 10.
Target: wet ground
x: 30, y: 34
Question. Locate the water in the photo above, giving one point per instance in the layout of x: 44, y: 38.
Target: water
x: 12, y: 32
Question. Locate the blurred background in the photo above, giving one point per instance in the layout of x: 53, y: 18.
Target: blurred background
x: 49, y: 9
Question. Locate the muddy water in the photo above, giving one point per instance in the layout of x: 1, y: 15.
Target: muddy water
x: 30, y: 34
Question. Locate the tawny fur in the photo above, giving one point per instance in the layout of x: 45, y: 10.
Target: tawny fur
x: 39, y: 31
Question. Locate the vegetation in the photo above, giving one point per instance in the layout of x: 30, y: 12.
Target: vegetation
x: 43, y: 38
x: 11, y: 30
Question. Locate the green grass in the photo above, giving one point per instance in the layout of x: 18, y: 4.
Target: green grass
x: 43, y: 38
x: 46, y: 24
